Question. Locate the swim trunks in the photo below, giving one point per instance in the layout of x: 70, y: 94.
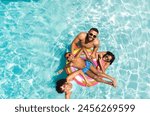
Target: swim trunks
x: 88, y: 65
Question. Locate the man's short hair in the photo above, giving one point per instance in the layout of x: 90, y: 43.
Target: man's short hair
x: 94, y: 29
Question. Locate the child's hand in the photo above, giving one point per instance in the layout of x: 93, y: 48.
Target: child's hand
x: 60, y: 71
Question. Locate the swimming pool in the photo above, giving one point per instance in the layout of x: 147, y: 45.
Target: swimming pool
x: 35, y: 34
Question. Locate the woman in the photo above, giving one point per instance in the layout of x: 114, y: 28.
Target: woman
x: 104, y: 60
x: 65, y: 85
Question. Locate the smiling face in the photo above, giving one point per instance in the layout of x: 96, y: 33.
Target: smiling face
x: 107, y: 58
x: 69, y: 56
x: 92, y: 35
x: 66, y: 87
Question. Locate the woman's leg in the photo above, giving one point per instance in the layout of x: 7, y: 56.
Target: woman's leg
x: 100, y: 79
x: 93, y: 76
x: 94, y: 70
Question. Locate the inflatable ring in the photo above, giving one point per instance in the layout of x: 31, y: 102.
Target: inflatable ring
x: 79, y: 78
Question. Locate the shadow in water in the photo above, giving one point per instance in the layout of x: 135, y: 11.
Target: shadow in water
x: 63, y: 75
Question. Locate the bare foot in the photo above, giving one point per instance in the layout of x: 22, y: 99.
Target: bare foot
x: 88, y: 84
x: 114, y: 83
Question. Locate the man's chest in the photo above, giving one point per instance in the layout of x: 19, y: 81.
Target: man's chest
x: 87, y: 44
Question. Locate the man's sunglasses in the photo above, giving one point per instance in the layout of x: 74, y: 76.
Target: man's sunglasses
x: 91, y: 34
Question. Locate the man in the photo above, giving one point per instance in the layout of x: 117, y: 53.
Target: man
x: 87, y: 40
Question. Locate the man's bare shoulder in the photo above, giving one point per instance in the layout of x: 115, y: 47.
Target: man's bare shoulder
x: 82, y: 35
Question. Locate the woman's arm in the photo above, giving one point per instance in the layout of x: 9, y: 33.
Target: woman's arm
x: 100, y: 64
x: 96, y: 46
x: 67, y: 95
x: 100, y: 56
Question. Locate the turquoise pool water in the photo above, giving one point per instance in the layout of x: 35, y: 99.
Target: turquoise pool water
x: 35, y: 34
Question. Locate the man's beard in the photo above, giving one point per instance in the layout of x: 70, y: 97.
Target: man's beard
x: 90, y: 39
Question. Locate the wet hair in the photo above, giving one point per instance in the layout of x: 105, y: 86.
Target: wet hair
x: 94, y: 29
x: 59, y: 83
x: 112, y: 55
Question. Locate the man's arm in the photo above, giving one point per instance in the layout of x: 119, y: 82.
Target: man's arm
x: 79, y: 53
x: 96, y: 46
x: 86, y: 53
x: 75, y: 42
